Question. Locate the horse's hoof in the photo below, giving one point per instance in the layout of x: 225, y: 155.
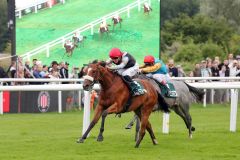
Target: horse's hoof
x: 190, y: 136
x: 155, y: 142
x: 100, y: 138
x: 136, y: 146
x: 80, y: 140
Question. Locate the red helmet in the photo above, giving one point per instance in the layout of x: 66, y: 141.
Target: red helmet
x: 148, y: 59
x: 115, y: 53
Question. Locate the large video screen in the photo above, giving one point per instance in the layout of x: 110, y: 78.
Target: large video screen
x: 44, y: 26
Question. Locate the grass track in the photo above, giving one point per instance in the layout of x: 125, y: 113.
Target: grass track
x: 52, y: 136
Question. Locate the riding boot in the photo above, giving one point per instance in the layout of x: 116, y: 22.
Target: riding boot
x: 134, y: 87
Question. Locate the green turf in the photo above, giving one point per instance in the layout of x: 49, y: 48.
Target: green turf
x: 52, y: 136
x: 139, y: 34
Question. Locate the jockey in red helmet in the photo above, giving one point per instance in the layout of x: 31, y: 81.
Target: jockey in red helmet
x: 126, y: 66
x: 156, y: 69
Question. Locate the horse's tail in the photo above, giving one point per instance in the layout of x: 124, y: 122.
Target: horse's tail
x: 162, y: 104
x: 196, y: 92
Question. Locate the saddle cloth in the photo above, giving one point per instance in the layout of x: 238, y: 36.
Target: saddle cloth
x: 166, y: 92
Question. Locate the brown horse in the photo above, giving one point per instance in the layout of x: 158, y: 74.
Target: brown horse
x: 147, y: 9
x: 115, y: 98
x: 68, y: 50
x: 117, y: 20
x: 104, y: 29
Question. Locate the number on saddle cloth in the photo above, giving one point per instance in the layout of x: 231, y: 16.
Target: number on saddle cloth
x: 169, y: 91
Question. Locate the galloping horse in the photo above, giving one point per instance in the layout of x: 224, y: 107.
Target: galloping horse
x: 115, y: 98
x: 117, y: 19
x: 78, y: 40
x: 186, y: 95
x: 69, y: 49
x: 104, y: 29
x: 147, y: 8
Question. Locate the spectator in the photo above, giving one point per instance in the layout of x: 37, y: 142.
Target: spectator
x: 225, y: 63
x: 197, y: 70
x: 233, y: 68
x: 215, y: 69
x: 12, y: 69
x: 181, y: 72
x: 44, y: 73
x: 205, y: 72
x: 173, y: 71
x: 64, y: 71
x: 230, y: 58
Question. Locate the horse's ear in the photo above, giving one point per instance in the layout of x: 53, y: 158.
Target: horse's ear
x: 102, y: 63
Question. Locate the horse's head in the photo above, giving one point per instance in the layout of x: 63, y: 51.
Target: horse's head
x: 94, y: 73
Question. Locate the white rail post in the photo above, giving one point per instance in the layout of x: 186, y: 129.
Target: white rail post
x: 86, y: 112
x: 128, y: 11
x: 63, y: 41
x: 80, y: 99
x: 47, y: 47
x: 20, y: 14
x: 28, y: 56
x: 233, y: 112
x: 59, y: 101
x: 205, y: 98
x: 50, y: 4
x: 212, y: 96
x: 91, y: 29
x: 139, y: 5
x: 1, y: 101
x: 35, y: 8
x: 165, y: 127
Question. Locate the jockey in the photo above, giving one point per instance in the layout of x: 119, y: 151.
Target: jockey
x: 157, y: 69
x: 104, y: 25
x: 117, y: 17
x: 78, y: 36
x: 147, y: 6
x: 69, y: 43
x: 126, y: 66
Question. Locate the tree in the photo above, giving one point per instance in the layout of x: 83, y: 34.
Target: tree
x: 4, y: 35
x: 229, y: 9
x: 198, y: 28
x: 172, y: 8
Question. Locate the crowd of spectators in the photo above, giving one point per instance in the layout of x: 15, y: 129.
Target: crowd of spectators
x: 229, y: 67
x: 208, y: 67
x: 37, y: 69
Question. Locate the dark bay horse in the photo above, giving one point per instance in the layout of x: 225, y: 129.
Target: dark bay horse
x: 117, y: 20
x: 147, y: 8
x: 68, y: 50
x: 104, y: 29
x: 186, y: 95
x: 114, y: 98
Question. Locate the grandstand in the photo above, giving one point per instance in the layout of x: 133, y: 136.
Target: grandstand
x: 137, y: 35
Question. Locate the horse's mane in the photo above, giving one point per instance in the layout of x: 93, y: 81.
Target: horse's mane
x: 102, y: 63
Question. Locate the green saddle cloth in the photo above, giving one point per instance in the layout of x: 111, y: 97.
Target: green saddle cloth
x: 164, y: 90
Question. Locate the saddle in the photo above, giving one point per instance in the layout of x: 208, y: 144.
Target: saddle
x: 169, y: 92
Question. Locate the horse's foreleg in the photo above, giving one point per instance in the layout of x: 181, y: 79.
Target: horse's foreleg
x: 98, y: 113
x: 150, y: 131
x: 144, y: 121
x: 100, y: 135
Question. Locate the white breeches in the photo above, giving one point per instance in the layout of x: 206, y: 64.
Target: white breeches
x: 129, y: 71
